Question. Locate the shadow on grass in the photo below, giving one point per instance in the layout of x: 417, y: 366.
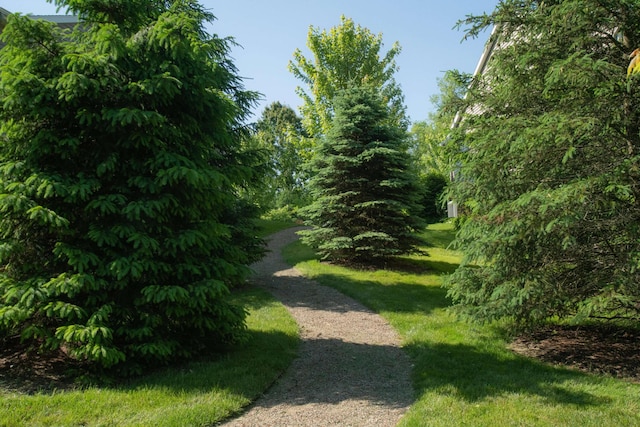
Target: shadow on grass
x: 435, y: 237
x: 469, y: 372
x: 244, y: 369
x: 420, y: 266
x: 466, y: 371
x: 472, y: 374
x: 329, y: 371
x: 396, y: 297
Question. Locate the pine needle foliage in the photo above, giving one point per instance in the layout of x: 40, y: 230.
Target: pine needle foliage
x: 549, y: 167
x: 120, y: 230
x: 364, y: 192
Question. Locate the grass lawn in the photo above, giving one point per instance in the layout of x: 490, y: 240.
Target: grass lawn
x: 464, y: 374
x: 197, y: 394
x: 268, y: 227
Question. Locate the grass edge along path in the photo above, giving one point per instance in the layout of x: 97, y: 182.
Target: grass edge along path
x: 197, y: 394
x: 464, y: 374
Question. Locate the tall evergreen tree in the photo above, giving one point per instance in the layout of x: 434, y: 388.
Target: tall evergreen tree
x: 364, y: 193
x: 549, y: 166
x: 121, y: 232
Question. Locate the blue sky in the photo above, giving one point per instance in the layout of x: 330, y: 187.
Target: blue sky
x: 269, y: 32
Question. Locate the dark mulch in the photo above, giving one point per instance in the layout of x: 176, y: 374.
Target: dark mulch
x: 26, y: 370
x: 608, y: 351
x: 403, y: 265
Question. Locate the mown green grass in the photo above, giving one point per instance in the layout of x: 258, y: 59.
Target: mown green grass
x: 464, y: 374
x: 197, y: 394
x: 270, y: 226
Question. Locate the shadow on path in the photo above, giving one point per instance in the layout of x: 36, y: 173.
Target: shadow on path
x: 350, y: 369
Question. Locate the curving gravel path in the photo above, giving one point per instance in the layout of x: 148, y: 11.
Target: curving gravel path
x: 350, y: 370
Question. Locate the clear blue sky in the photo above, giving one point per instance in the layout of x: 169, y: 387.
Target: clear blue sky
x: 269, y: 32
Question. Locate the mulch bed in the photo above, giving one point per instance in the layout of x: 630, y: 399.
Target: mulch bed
x: 607, y: 351
x: 26, y: 370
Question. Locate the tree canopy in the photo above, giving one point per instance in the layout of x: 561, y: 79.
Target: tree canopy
x: 364, y: 192
x: 121, y: 231
x: 346, y: 56
x: 548, y: 161
x: 279, y: 131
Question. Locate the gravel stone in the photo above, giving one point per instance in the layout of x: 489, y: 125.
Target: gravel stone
x: 350, y: 371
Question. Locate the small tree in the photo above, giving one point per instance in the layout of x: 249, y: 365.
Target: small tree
x: 365, y: 195
x: 432, y: 187
x: 121, y: 231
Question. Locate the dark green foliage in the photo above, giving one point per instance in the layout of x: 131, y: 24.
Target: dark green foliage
x: 364, y: 194
x: 121, y: 230
x: 279, y: 132
x: 432, y: 186
x: 550, y: 167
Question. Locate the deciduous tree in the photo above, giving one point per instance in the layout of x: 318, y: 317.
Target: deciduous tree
x: 344, y: 57
x: 428, y: 137
x: 433, y: 162
x: 279, y: 131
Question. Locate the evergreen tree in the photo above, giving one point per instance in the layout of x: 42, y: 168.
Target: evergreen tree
x: 121, y: 231
x: 364, y: 193
x: 549, y: 166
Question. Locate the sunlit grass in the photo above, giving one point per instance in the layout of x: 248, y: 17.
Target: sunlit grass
x: 463, y: 373
x: 268, y: 227
x: 197, y: 394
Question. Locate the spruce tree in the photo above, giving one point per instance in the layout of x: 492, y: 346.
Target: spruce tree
x: 121, y: 232
x: 549, y: 166
x: 364, y: 193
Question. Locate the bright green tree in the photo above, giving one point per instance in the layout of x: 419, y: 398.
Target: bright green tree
x: 121, y: 230
x: 364, y: 192
x: 549, y: 166
x: 428, y: 137
x: 344, y: 57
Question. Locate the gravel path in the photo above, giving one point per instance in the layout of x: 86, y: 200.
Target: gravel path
x: 350, y: 370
